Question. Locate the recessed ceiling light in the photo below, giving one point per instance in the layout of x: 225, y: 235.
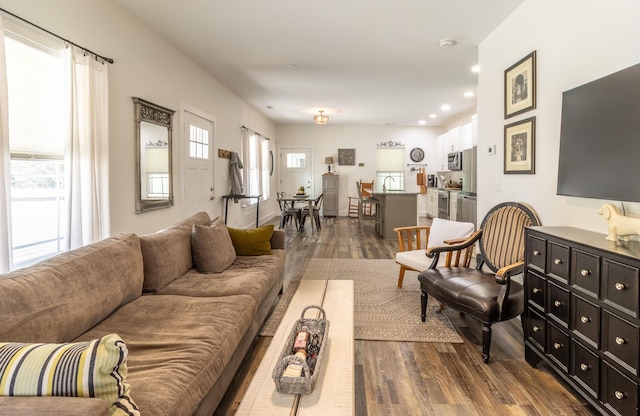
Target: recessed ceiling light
x: 422, y: 122
x: 433, y: 115
x: 469, y: 94
x: 445, y: 107
x: 475, y: 68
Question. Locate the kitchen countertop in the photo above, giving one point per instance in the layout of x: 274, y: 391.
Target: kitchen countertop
x: 392, y: 192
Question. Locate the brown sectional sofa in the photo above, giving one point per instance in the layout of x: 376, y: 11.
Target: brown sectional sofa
x: 186, y: 332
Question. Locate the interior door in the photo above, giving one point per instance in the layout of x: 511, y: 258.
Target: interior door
x: 198, y: 188
x: 296, y: 170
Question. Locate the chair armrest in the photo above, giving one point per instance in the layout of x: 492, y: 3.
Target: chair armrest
x: 434, y: 252
x: 504, y: 274
x: 454, y: 241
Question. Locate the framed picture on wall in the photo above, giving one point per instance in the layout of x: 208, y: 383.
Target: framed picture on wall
x: 520, y: 86
x: 520, y: 146
x: 346, y: 156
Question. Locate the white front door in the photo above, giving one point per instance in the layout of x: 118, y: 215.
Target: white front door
x: 295, y: 170
x: 198, y: 180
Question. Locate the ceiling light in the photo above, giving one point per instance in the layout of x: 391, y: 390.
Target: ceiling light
x: 445, y: 107
x: 469, y: 94
x: 475, y: 68
x: 321, y: 118
x: 433, y: 115
x: 447, y: 43
x: 422, y: 122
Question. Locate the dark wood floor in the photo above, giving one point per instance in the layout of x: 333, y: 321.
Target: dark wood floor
x: 413, y: 378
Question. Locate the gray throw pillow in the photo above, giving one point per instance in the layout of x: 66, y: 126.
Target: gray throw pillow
x: 211, y: 247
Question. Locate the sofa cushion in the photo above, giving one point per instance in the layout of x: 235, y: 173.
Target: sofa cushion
x: 250, y: 275
x: 211, y: 247
x: 60, y: 298
x: 167, y: 253
x: 54, y: 406
x: 253, y: 241
x: 96, y: 368
x: 178, y: 347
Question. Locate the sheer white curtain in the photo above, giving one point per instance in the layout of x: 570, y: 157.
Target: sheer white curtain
x: 87, y: 154
x: 5, y: 185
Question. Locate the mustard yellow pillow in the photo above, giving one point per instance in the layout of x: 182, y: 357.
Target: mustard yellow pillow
x: 95, y: 368
x: 253, y: 241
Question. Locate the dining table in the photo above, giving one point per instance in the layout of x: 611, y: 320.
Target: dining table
x: 306, y: 198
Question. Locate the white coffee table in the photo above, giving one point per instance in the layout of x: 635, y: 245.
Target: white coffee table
x: 334, y: 390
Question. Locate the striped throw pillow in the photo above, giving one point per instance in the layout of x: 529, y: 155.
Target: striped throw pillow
x: 95, y: 368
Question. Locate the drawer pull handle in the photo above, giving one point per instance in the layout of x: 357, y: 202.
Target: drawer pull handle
x: 536, y: 290
x: 557, y: 345
x: 584, y: 367
x: 620, y: 286
x: 620, y: 340
x: 619, y: 395
x: 536, y: 328
x: 558, y: 261
x: 584, y: 319
x: 557, y: 303
x: 536, y: 253
x: 585, y: 272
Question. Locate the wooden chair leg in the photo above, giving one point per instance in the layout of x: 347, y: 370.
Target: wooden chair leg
x: 486, y: 342
x: 401, y: 275
x: 423, y: 306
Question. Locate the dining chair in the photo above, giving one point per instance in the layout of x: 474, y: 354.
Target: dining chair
x: 304, y: 213
x: 488, y: 296
x: 288, y: 211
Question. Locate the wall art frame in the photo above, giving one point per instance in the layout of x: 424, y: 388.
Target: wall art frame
x: 346, y: 157
x: 520, y: 147
x: 520, y: 86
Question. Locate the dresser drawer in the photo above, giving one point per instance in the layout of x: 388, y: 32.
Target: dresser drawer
x: 585, y: 320
x: 620, y: 393
x: 558, y: 261
x: 585, y: 368
x: 620, y: 341
x: 620, y: 286
x: 585, y: 272
x: 536, y: 252
x: 558, y: 303
x: 536, y: 329
x: 558, y: 347
x: 535, y: 290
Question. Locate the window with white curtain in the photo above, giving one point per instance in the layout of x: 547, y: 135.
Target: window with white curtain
x: 56, y: 103
x: 390, y: 166
x: 255, y: 159
x: 36, y: 98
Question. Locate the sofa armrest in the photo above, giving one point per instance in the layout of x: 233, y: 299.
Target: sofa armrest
x: 277, y: 239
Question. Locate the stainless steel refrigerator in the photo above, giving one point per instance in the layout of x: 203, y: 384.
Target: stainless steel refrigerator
x: 467, y: 199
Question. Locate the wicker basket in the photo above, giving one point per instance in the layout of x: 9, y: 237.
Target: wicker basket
x: 305, y: 383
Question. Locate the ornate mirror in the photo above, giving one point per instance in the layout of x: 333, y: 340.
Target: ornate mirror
x: 154, y: 125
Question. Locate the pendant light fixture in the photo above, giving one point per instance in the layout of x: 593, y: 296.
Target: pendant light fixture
x: 321, y: 118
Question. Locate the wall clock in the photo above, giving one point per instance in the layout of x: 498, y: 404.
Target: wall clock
x: 416, y: 154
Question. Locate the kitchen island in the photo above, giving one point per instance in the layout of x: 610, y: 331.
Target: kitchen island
x: 396, y: 209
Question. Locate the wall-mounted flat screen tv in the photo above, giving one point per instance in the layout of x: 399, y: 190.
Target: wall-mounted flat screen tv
x: 600, y: 138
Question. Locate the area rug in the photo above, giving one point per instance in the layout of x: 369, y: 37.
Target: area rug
x: 382, y: 311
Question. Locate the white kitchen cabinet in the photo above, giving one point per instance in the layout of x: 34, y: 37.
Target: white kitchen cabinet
x: 453, y: 205
x: 432, y: 202
x: 453, y: 140
x: 474, y: 130
x: 466, y: 138
x: 442, y: 152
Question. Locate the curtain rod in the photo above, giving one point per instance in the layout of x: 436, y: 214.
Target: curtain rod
x: 253, y: 131
x: 104, y: 58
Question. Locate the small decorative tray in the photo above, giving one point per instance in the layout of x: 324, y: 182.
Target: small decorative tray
x: 318, y: 328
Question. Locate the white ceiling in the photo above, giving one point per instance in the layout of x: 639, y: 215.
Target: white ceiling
x: 366, y: 62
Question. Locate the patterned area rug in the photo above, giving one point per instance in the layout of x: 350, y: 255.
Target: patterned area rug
x: 382, y: 312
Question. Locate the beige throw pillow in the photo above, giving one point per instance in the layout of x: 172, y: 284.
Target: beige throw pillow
x: 211, y: 247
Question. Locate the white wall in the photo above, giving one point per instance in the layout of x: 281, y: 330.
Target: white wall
x: 576, y: 41
x: 326, y: 140
x: 148, y: 67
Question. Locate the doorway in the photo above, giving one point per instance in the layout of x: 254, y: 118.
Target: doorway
x: 296, y: 170
x: 198, y: 172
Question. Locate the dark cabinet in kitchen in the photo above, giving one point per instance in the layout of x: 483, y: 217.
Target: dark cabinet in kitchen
x: 582, y: 314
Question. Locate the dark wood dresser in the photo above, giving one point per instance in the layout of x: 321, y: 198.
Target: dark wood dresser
x: 582, y: 313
